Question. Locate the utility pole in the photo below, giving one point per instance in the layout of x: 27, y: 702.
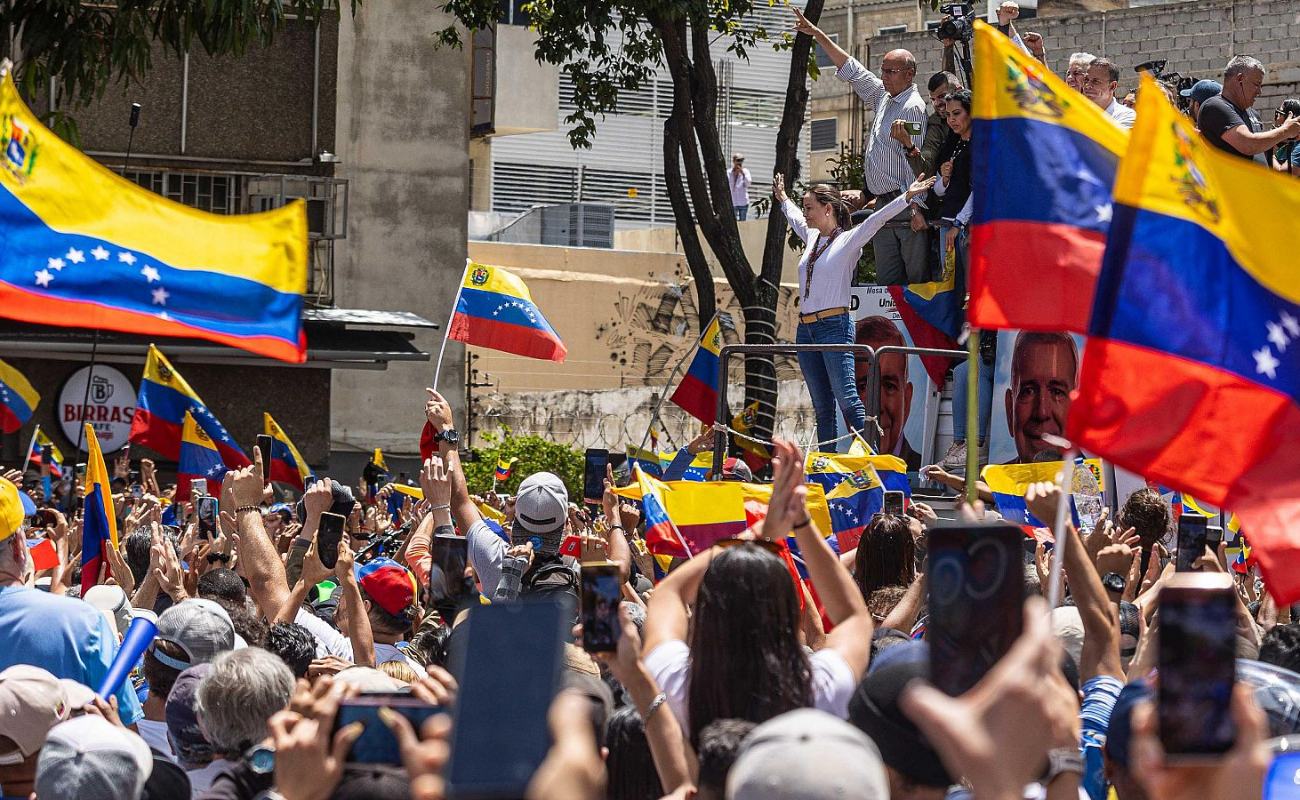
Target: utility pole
x: 471, y: 383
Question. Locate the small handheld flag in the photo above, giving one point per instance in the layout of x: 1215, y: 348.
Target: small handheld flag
x: 495, y: 309
x: 504, y: 468
x: 99, y: 521
x: 56, y: 455
x: 287, y: 464
x: 165, y: 397
x: 199, y: 459
x: 697, y: 394
x: 17, y: 399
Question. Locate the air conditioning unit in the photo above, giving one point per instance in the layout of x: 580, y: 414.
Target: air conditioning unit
x: 578, y: 225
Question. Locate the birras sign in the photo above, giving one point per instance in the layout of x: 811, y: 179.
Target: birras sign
x: 108, y: 406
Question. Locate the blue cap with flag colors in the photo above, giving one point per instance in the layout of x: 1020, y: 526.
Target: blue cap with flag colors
x: 390, y: 585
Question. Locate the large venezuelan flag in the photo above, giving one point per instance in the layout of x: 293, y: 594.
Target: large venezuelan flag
x: 17, y: 399
x: 933, y: 315
x: 287, y: 464
x: 99, y: 522
x: 1192, y: 372
x: 199, y: 459
x: 1010, y: 482
x: 1043, y: 163
x: 164, y: 400
x: 697, y: 394
x: 496, y: 310
x: 854, y: 492
x: 83, y: 247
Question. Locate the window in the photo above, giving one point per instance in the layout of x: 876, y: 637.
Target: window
x: 891, y: 29
x: 512, y: 12
x: 825, y: 134
x: 824, y: 58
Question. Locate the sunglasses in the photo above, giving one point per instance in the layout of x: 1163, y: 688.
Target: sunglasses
x: 771, y: 547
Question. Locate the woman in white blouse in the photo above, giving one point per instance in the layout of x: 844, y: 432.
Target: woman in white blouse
x: 825, y: 274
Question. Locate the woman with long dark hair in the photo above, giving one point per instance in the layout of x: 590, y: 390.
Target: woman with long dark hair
x: 825, y: 275
x: 886, y: 555
x: 744, y: 659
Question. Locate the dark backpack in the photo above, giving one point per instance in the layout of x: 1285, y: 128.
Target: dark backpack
x: 550, y: 578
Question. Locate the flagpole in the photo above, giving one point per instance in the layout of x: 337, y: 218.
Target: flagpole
x: 31, y: 448
x: 654, y: 412
x: 1060, y: 530
x: 437, y: 370
x: 972, y: 414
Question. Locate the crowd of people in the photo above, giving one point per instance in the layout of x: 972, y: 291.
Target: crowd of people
x: 299, y: 661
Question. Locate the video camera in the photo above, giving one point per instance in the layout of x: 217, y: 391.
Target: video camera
x: 1174, y: 80
x: 960, y: 25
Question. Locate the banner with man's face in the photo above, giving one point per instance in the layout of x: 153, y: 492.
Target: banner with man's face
x: 1032, y: 380
x: 908, y: 401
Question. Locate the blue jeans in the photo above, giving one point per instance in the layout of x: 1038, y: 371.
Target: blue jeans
x: 829, y: 376
x: 960, y: 394
x: 741, y: 212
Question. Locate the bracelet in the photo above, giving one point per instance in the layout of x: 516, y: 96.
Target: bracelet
x: 441, y: 507
x: 242, y: 509
x: 806, y: 522
x: 654, y: 706
x: 617, y: 528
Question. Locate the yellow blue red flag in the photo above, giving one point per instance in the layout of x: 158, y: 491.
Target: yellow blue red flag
x: 697, y: 394
x: 56, y: 455
x: 1199, y: 288
x: 165, y: 397
x: 17, y: 398
x: 99, y: 522
x: 199, y: 459
x: 287, y: 464
x: 495, y: 309
x: 1043, y: 160
x: 83, y: 247
x: 1010, y: 482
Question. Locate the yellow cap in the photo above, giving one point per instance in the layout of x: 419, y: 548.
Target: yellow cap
x: 11, y: 509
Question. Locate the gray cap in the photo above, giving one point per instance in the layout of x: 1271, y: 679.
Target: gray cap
x: 88, y: 756
x: 542, y: 507
x: 1203, y: 90
x: 201, y: 628
x: 807, y: 754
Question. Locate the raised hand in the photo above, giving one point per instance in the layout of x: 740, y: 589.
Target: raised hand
x: 802, y: 25
x: 920, y: 186
x: 437, y: 411
x: 778, y: 182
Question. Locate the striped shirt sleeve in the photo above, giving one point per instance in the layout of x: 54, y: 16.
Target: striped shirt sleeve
x: 864, y: 82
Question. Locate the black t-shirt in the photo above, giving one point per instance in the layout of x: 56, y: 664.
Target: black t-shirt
x: 1218, y: 116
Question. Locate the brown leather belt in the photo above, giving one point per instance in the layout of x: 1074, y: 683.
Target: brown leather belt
x: 823, y: 314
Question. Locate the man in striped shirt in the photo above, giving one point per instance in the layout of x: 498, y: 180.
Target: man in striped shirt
x: 902, y: 247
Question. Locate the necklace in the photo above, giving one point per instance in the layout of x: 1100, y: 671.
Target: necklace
x: 812, y: 260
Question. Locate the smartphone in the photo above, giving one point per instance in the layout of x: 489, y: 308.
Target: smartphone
x: 571, y: 546
x: 328, y: 536
x: 977, y: 590
x: 447, y: 583
x: 1213, y: 536
x: 1191, y: 541
x: 81, y: 470
x: 264, y: 445
x: 377, y: 745
x: 1197, y: 666
x: 206, y: 510
x: 198, y: 487
x: 912, y: 128
x: 133, y: 476
x: 593, y: 475
x: 489, y: 759
x: 600, y: 598
x: 893, y: 503
x: 137, y: 491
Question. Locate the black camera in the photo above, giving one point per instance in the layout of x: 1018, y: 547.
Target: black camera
x: 960, y: 25
x: 1175, y: 81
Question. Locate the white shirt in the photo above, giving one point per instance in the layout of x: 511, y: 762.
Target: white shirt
x: 833, y: 682
x: 201, y: 778
x: 1121, y: 113
x: 739, y: 186
x: 154, y: 734
x: 885, y: 160
x: 332, y: 642
x: 833, y: 272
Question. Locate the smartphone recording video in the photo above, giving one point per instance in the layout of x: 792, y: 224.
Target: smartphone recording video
x: 893, y: 503
x: 593, y: 475
x: 601, y: 595
x: 377, y: 745
x: 328, y: 536
x: 198, y: 487
x: 206, y: 510
x: 1191, y: 541
x: 264, y: 446
x: 447, y: 582
x: 977, y: 589
x: 1197, y: 666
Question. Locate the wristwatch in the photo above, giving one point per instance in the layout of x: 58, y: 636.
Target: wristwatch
x: 450, y: 436
x: 1062, y: 759
x: 1114, y: 582
x: 261, y: 759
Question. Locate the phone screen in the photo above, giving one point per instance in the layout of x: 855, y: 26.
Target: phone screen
x: 264, y: 445
x: 1213, y: 536
x: 206, y: 509
x: 1191, y: 541
x: 489, y: 759
x: 377, y: 745
x: 593, y: 475
x: 977, y: 588
x: 328, y: 536
x: 137, y: 491
x: 1197, y: 666
x: 447, y: 583
x: 893, y: 503
x: 198, y: 487
x: 1283, y: 779
x: 600, y: 598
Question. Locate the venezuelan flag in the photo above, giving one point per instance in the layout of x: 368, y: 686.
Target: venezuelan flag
x: 198, y: 459
x: 99, y: 522
x: 745, y: 422
x: 504, y: 467
x: 17, y: 398
x: 56, y: 455
x: 83, y: 247
x: 661, y: 535
x: 287, y: 464
x: 495, y: 309
x: 1009, y: 482
x: 1192, y: 372
x: 1043, y: 164
x: 697, y: 394
x: 932, y: 313
x: 647, y: 460
x: 854, y: 492
x: 160, y: 411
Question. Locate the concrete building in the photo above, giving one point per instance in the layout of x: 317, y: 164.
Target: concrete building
x: 370, y: 123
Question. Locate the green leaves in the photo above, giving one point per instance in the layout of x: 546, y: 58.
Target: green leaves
x: 535, y: 454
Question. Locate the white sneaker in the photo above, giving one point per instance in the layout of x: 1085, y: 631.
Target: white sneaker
x: 983, y: 454
x: 955, y: 458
